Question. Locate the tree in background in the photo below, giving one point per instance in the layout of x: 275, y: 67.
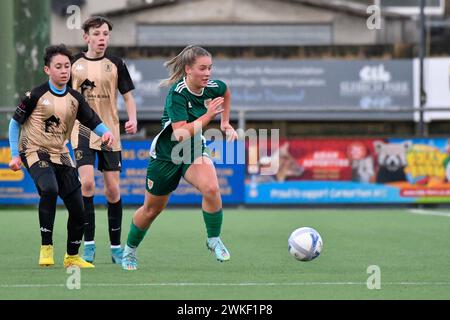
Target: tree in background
x: 25, y: 26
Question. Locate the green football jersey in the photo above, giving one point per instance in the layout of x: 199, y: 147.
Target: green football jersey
x: 184, y: 105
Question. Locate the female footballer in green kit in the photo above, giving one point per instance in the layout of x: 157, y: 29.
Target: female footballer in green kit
x: 192, y: 102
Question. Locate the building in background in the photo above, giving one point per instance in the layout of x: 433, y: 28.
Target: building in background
x: 158, y: 23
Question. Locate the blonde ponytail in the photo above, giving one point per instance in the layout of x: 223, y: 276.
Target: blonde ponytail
x: 177, y: 65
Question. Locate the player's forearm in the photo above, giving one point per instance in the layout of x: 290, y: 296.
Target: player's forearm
x: 226, y: 108
x: 130, y: 105
x: 191, y: 129
x: 14, y: 133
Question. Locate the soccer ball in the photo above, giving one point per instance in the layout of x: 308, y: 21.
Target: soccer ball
x: 305, y: 244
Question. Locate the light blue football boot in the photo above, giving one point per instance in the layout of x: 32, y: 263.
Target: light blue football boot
x: 129, y: 260
x: 116, y: 255
x: 89, y: 252
x: 216, y: 246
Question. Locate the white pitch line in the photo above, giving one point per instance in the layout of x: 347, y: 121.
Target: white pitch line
x: 430, y: 212
x: 250, y: 284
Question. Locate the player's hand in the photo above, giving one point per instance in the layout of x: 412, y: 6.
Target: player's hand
x: 15, y: 164
x: 108, y: 139
x: 229, y: 131
x: 215, y: 107
x: 131, y: 127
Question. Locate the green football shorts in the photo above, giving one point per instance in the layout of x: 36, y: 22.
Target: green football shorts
x: 163, y: 177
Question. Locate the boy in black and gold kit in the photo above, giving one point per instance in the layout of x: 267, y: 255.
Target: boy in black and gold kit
x: 100, y: 78
x: 38, y: 135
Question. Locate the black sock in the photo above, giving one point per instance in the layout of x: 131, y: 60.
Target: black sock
x: 89, y: 218
x: 115, y: 222
x: 75, y: 223
x: 47, y: 212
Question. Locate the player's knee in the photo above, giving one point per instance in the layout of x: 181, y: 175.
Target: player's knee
x: 112, y: 193
x: 211, y: 190
x: 50, y: 189
x: 74, y: 204
x: 150, y: 213
x: 87, y: 186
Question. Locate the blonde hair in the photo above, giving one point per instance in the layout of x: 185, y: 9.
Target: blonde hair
x: 178, y: 64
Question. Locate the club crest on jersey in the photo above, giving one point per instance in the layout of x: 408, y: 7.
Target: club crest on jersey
x: 149, y: 184
x: 189, y: 105
x: 207, y: 102
x: 43, y: 164
x: 108, y: 67
x: 78, y: 155
x: 28, y: 94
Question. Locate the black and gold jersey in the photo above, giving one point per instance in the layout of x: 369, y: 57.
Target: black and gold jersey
x: 47, y: 119
x: 99, y: 81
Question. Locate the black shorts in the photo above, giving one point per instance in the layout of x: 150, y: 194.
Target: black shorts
x: 107, y: 160
x: 50, y: 176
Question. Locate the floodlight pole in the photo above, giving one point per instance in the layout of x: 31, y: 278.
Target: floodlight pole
x: 422, y: 48
x: 8, y: 62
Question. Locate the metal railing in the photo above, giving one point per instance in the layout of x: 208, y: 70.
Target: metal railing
x: 243, y: 114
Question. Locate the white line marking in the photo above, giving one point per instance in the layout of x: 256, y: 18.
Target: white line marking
x: 250, y: 284
x: 430, y: 212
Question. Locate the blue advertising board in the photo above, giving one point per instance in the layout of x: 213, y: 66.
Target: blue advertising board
x: 19, y: 188
x: 340, y: 171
